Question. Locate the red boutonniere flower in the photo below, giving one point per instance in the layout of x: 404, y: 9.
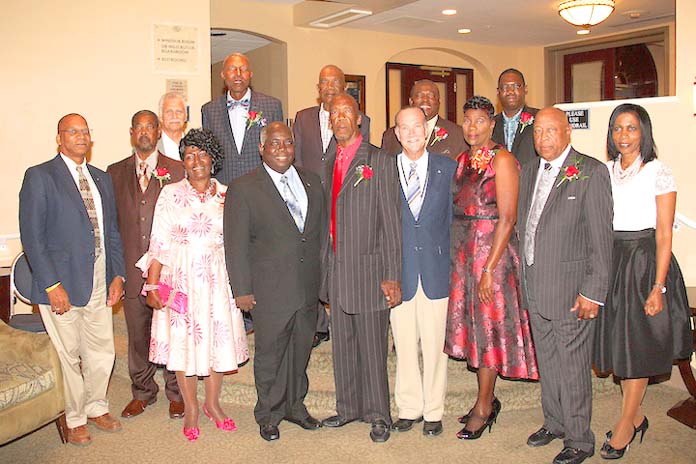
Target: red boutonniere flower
x: 255, y: 118
x: 526, y: 119
x: 364, y: 172
x: 162, y: 175
x: 480, y: 160
x: 440, y: 134
x: 572, y: 172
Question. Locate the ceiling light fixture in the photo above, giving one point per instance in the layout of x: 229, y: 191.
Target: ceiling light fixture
x: 464, y: 31
x: 583, y: 32
x: 585, y: 13
x: 449, y: 12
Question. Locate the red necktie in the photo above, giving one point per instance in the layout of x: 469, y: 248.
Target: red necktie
x: 336, y: 187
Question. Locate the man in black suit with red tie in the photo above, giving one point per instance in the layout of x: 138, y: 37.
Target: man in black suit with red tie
x: 314, y: 144
x: 362, y: 262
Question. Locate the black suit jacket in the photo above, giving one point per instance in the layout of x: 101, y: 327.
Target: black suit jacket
x: 266, y: 255
x: 216, y: 119
x: 452, y: 146
x: 309, y: 149
x: 57, y: 235
x: 573, y: 241
x: 368, y: 233
x: 523, y: 145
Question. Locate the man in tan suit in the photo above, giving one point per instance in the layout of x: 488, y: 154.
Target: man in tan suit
x: 137, y: 185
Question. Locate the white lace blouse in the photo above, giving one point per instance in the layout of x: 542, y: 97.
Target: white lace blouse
x: 634, y: 201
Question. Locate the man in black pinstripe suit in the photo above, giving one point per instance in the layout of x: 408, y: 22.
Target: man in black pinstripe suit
x: 362, y: 260
x: 565, y: 225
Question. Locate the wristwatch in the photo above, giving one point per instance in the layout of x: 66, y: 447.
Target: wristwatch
x: 661, y: 286
x: 485, y: 269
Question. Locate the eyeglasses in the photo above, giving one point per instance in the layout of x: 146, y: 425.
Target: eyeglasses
x: 276, y: 144
x: 74, y: 132
x: 506, y: 87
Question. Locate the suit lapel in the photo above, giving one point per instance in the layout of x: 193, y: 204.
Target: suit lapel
x: 350, y: 176
x: 557, y: 190
x: 129, y: 171
x: 518, y: 132
x: 276, y: 198
x: 65, y: 179
x: 222, y: 106
x: 432, y: 183
x: 310, y: 201
x: 531, y: 171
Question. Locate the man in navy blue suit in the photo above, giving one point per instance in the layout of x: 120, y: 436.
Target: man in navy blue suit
x: 419, y: 322
x: 69, y: 230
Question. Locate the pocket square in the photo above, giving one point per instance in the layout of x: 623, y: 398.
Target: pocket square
x: 572, y: 197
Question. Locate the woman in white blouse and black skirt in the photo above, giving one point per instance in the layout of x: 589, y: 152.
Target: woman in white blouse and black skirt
x: 645, y: 323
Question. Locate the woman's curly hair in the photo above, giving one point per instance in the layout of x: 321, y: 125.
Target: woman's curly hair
x: 203, y: 139
x: 478, y: 102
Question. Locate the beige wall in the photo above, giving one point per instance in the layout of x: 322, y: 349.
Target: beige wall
x: 88, y: 57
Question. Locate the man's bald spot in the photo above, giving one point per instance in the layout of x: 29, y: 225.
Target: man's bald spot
x: 332, y: 68
x: 410, y: 108
x: 62, y: 122
x: 555, y: 113
x: 349, y: 98
x: 274, y: 126
x: 238, y: 55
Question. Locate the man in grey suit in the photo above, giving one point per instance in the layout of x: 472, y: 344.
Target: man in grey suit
x: 418, y: 324
x: 274, y: 225
x: 68, y: 224
x: 172, y: 117
x: 513, y: 125
x: 443, y: 136
x: 363, y: 264
x: 236, y: 118
x: 565, y: 216
x: 314, y: 143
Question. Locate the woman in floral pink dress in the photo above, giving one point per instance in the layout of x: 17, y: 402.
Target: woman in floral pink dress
x: 197, y: 330
x: 485, y: 323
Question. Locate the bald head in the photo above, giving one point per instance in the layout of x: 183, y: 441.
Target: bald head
x: 551, y: 133
x: 332, y: 81
x: 236, y: 72
x: 74, y: 139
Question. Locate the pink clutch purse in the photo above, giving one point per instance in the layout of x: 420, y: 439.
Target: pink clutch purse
x: 176, y: 301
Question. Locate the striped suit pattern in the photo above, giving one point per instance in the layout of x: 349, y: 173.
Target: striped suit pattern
x: 368, y: 251
x: 572, y: 255
x: 216, y: 119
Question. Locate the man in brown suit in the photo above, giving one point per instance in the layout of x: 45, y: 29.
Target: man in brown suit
x: 443, y: 136
x: 138, y: 180
x: 362, y: 261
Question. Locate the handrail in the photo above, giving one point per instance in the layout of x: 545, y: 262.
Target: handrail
x: 680, y: 219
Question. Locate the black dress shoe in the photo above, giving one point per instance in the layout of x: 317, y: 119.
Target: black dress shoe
x: 432, y: 429
x: 379, y: 433
x: 320, y: 337
x: 404, y: 425
x: 497, y: 406
x: 269, y: 432
x: 543, y: 437
x: 308, y: 423
x: 572, y: 456
x: 337, y: 421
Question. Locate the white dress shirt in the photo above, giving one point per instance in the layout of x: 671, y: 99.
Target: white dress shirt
x: 151, y: 162
x: 171, y: 148
x: 324, y: 127
x: 238, y: 120
x: 431, y: 126
x: 72, y: 168
x: 295, y: 184
x: 404, y: 165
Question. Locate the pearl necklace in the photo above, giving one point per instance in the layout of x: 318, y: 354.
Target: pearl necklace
x: 209, y: 192
x: 623, y: 176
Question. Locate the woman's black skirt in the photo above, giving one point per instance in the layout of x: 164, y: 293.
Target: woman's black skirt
x: 627, y: 341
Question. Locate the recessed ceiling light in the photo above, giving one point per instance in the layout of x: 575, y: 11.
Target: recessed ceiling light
x: 449, y: 12
x: 464, y: 31
x: 583, y: 32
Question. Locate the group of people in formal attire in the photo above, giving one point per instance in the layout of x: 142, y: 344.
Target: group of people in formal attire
x: 494, y: 242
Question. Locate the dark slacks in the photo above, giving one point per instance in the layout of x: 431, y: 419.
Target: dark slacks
x: 283, y: 343
x: 141, y: 370
x: 360, y: 347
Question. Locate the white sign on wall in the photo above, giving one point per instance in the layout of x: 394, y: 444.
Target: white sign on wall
x: 175, y: 48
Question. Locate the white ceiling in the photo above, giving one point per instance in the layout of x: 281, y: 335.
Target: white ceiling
x: 231, y: 42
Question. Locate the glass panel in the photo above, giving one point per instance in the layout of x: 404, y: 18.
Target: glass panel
x: 461, y: 97
x: 588, y: 81
x: 394, y: 94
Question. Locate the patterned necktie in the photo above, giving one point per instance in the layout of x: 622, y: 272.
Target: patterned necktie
x: 144, y: 177
x: 541, y: 194
x: 413, y: 191
x: 88, y: 199
x: 232, y: 104
x: 292, y: 203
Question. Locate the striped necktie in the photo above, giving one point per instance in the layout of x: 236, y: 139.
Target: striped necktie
x: 144, y: 177
x: 88, y: 200
x: 541, y: 194
x: 292, y: 203
x: 413, y: 191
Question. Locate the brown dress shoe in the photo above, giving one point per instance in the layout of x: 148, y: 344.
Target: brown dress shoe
x: 176, y: 409
x: 135, y: 408
x: 106, y: 422
x: 79, y: 436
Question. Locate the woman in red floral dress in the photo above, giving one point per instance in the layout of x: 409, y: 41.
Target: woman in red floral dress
x: 485, y: 323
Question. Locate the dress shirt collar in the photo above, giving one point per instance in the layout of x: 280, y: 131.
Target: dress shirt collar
x: 247, y: 95
x: 404, y: 164
x: 151, y: 162
x: 348, y: 153
x: 432, y: 122
x: 291, y: 173
x: 515, y: 117
x: 72, y: 164
x: 556, y: 164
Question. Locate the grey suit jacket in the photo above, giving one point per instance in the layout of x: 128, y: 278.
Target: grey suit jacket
x: 573, y: 244
x: 523, y: 145
x: 368, y: 233
x: 58, y: 236
x: 452, y: 146
x: 216, y: 119
x: 309, y: 152
x: 266, y: 255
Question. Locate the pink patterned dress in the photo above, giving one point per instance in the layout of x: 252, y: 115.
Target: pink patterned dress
x: 495, y: 335
x: 187, y: 240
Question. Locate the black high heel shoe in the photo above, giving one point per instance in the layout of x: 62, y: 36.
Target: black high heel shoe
x: 465, y: 418
x: 465, y: 434
x: 609, y: 452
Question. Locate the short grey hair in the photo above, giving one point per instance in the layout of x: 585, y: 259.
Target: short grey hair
x: 167, y: 96
x: 263, y: 135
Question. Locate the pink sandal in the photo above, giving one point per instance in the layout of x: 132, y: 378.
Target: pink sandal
x: 226, y: 424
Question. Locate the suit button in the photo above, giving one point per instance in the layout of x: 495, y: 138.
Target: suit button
x: 142, y: 219
x: 322, y: 181
x: 144, y: 237
x: 142, y: 202
x: 323, y: 158
x: 303, y: 239
x: 302, y: 260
